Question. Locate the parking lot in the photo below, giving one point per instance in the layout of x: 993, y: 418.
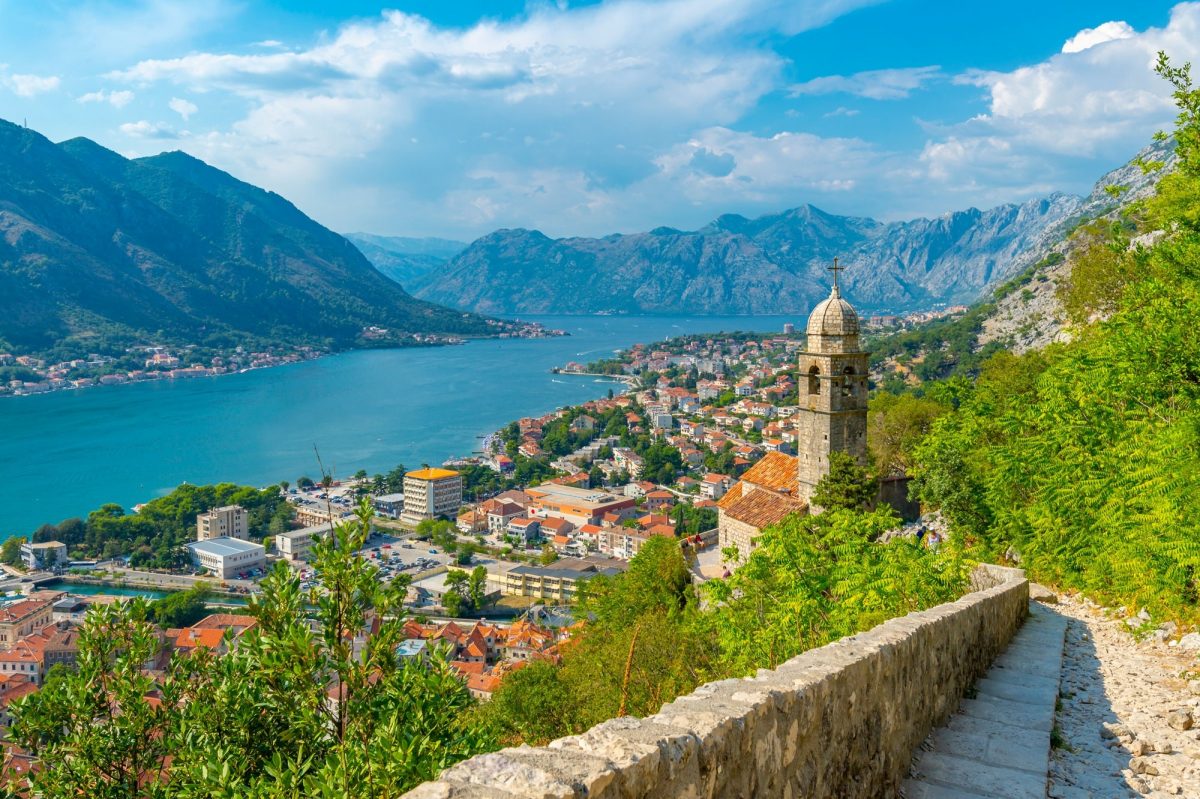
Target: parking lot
x: 395, y: 555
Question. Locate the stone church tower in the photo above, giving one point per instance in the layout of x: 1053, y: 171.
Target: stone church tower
x: 833, y: 390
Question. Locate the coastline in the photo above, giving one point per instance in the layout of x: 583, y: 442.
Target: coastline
x: 54, y: 386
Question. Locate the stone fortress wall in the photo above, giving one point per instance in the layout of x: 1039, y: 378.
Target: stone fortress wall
x: 842, y: 720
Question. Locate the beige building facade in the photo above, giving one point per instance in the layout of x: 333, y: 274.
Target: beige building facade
x: 23, y: 618
x: 227, y: 522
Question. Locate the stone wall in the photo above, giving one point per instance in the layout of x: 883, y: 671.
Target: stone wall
x: 732, y: 532
x: 842, y: 720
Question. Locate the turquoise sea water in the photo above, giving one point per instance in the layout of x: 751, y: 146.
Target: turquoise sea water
x: 65, y: 453
x: 104, y: 590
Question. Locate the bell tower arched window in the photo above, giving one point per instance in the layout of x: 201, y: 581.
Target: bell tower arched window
x: 848, y: 382
x: 814, y: 380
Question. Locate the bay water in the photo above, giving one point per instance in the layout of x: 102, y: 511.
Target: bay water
x: 66, y: 453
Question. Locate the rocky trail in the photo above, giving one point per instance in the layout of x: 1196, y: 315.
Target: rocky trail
x: 1129, y: 711
x: 1109, y: 710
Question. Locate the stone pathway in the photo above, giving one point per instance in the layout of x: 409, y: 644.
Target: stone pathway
x: 998, y: 743
x: 1129, y: 710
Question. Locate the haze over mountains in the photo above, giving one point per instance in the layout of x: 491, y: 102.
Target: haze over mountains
x: 405, y: 259
x: 770, y: 265
x: 105, y: 250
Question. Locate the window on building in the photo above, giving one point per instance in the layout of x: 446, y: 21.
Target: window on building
x: 814, y: 380
x: 848, y: 382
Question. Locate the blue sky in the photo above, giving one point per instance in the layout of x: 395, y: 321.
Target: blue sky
x: 456, y: 118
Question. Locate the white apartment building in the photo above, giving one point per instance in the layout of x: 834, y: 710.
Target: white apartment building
x: 45, y: 555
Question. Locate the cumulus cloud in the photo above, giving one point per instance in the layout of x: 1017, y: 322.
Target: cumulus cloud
x: 766, y: 169
x: 117, y: 99
x: 1098, y: 99
x: 456, y: 124
x: 182, y: 107
x: 624, y: 114
x: 1090, y: 37
x: 876, y: 84
x: 30, y: 85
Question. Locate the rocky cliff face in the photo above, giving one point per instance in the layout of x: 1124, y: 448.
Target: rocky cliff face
x: 1031, y: 316
x: 773, y: 264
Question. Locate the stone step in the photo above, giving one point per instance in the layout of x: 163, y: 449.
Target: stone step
x: 970, y: 775
x: 1014, y: 714
x: 1042, y: 692
x: 998, y: 743
x: 994, y: 744
x: 919, y: 789
x: 1011, y: 677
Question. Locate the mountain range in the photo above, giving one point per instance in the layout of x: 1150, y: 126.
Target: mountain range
x: 104, y: 251
x: 405, y: 259
x: 774, y: 264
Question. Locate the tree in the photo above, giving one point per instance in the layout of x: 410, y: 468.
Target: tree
x: 847, y: 486
x: 595, y: 477
x: 895, y: 425
x: 295, y: 709
x: 304, y: 483
x: 180, y: 609
x: 10, y: 551
x: 452, y: 602
x: 1081, y: 458
x: 97, y: 726
x: 477, y: 587
x: 456, y: 580
x: 548, y: 556
x: 640, y: 648
x: 813, y: 579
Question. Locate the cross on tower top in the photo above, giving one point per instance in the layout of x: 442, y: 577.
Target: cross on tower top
x: 835, y: 269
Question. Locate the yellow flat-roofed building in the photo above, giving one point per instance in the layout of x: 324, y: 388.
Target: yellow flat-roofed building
x: 431, y: 494
x: 431, y: 474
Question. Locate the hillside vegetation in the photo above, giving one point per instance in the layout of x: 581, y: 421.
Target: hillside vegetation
x: 98, y: 252
x: 1079, y: 461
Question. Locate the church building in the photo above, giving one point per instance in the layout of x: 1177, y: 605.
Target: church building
x: 832, y: 417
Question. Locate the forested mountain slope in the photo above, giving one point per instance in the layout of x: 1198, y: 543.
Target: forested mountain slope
x: 107, y: 251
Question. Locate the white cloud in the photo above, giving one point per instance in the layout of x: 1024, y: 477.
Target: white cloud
x: 1090, y: 37
x: 143, y: 129
x: 1098, y: 101
x: 455, y: 125
x: 876, y: 84
x: 182, y: 107
x: 30, y: 85
x: 118, y: 99
x: 621, y: 115
x: 767, y: 170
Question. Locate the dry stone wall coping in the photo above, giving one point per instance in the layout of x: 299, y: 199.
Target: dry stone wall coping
x: 841, y: 720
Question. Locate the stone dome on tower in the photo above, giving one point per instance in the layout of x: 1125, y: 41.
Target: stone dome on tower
x: 833, y: 317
